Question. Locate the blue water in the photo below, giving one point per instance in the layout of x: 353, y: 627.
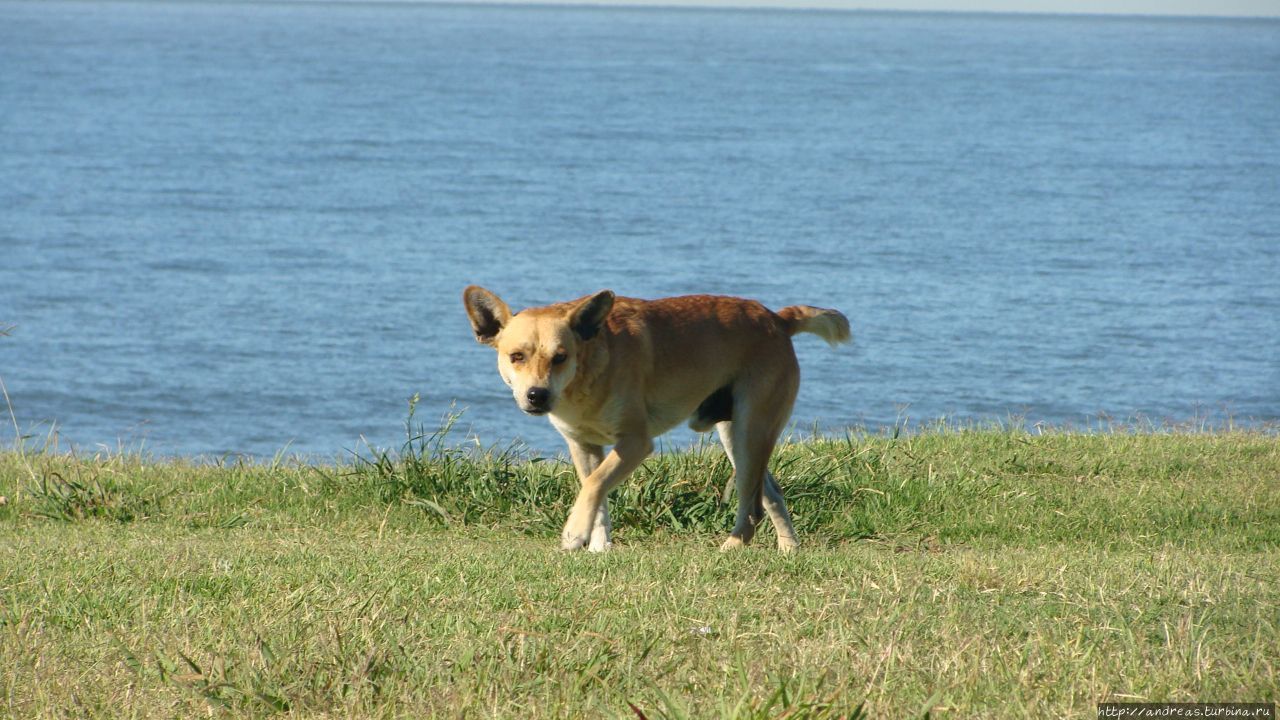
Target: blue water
x: 240, y: 228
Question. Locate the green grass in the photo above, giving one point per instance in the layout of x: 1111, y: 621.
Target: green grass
x: 958, y: 573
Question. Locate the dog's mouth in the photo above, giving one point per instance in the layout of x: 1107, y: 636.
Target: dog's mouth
x: 536, y: 411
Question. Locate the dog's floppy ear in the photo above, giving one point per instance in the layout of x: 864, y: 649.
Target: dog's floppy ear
x: 487, y: 312
x: 588, y: 317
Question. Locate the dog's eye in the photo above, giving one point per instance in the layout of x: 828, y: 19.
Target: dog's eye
x: 559, y: 358
x: 517, y: 357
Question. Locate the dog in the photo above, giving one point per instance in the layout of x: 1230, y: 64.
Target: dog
x: 609, y: 370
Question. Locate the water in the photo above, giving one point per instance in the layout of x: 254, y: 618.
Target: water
x: 239, y: 228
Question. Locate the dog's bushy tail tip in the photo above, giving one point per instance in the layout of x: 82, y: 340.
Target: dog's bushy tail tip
x: 830, y: 325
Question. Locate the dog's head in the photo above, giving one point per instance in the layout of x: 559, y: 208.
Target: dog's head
x: 538, y: 348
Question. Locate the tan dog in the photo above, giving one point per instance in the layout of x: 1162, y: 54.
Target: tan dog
x: 617, y: 371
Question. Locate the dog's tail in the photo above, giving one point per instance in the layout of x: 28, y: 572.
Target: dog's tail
x: 830, y: 325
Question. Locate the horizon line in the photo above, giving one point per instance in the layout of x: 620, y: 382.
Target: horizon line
x: 1095, y: 8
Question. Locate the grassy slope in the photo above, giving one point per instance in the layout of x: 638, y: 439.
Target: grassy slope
x: 988, y: 573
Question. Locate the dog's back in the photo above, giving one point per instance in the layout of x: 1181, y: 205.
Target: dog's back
x: 729, y: 332
x: 682, y: 353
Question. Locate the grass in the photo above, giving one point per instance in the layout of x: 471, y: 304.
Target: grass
x: 954, y: 573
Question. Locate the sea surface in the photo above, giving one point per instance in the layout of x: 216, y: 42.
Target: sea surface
x: 244, y: 228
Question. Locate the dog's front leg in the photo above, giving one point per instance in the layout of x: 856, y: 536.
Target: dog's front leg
x: 626, y: 456
x: 586, y: 458
x: 602, y: 530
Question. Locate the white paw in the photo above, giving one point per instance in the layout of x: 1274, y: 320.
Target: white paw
x: 733, y: 543
x: 571, y: 541
x: 577, y: 530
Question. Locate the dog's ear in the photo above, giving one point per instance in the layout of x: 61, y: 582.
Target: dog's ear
x: 588, y: 317
x: 487, y: 312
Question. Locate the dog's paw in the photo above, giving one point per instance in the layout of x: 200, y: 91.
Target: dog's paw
x: 571, y: 540
x: 600, y: 536
x: 577, y: 530
x: 733, y: 543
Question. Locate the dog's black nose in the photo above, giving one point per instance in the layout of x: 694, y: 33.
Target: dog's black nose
x: 538, y: 397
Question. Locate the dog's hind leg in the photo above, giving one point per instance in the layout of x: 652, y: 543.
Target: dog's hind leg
x: 761, y: 406
x: 586, y: 458
x: 774, y: 504
x: 750, y: 452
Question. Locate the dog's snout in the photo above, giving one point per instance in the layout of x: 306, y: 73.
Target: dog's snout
x: 538, y: 397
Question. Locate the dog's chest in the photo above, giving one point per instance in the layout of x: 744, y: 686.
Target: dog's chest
x: 600, y: 428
